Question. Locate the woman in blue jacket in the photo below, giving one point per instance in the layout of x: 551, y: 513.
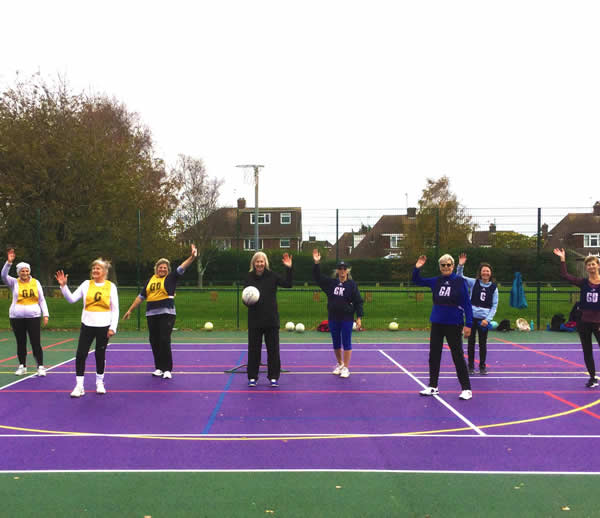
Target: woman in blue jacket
x: 343, y: 300
x: 451, y: 316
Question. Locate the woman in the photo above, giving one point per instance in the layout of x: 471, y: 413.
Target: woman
x: 27, y: 308
x: 343, y: 300
x: 451, y: 311
x: 484, y: 298
x: 99, y: 320
x: 589, y: 305
x: 160, y: 311
x: 263, y: 317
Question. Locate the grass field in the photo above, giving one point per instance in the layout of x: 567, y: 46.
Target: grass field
x: 410, y: 307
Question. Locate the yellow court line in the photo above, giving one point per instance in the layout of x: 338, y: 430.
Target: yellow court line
x: 300, y: 438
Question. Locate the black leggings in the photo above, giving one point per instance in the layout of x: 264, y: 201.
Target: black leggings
x: 483, y: 335
x: 586, y: 330
x: 21, y: 328
x: 453, y: 334
x: 160, y: 328
x: 87, y: 335
x: 255, y: 336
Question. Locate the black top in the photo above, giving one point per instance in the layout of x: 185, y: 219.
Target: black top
x: 343, y: 298
x: 265, y: 312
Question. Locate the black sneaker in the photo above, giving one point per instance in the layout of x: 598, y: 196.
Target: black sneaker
x: 483, y: 371
x: 471, y: 371
x: 592, y: 382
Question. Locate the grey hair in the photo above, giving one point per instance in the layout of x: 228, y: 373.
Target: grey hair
x: 446, y: 258
x: 162, y: 260
x: 103, y: 263
x: 255, y: 257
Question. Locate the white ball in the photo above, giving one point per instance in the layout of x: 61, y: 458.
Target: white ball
x: 354, y: 326
x: 250, y: 295
x: 290, y: 326
x: 393, y: 326
x: 208, y: 326
x: 300, y: 328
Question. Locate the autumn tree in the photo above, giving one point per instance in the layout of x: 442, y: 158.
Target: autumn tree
x: 198, y: 196
x: 441, y: 222
x: 75, y: 169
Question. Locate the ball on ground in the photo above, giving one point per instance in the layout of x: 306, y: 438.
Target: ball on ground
x: 393, y: 326
x: 300, y: 328
x: 290, y: 326
x: 208, y: 326
x: 493, y: 324
x: 250, y: 295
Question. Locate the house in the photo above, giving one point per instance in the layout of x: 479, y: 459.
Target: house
x: 579, y: 232
x: 484, y: 238
x: 385, y: 239
x: 233, y: 228
x: 345, y: 245
x: 312, y: 243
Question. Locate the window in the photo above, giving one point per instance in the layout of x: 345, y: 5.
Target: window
x: 249, y: 244
x: 263, y: 218
x: 591, y: 240
x: 222, y: 244
x: 285, y: 218
x: 284, y: 243
x: 395, y: 240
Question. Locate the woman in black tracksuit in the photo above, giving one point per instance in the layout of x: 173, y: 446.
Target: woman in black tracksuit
x: 263, y: 317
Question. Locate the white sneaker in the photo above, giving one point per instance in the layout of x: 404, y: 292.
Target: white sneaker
x: 337, y: 369
x: 167, y: 375
x: 430, y: 391
x: 100, y: 389
x: 344, y: 372
x: 78, y: 391
x: 158, y: 373
x: 21, y: 370
x: 41, y: 371
x: 466, y: 394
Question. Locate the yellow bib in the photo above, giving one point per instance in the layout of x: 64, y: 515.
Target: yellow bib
x: 28, y: 292
x: 98, y: 297
x: 155, y: 289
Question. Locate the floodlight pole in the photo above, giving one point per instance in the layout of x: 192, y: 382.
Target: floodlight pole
x: 256, y: 168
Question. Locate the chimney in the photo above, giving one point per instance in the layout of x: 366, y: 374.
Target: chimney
x: 241, y: 203
x: 545, y: 231
x: 492, y: 227
x: 411, y: 212
x: 597, y: 208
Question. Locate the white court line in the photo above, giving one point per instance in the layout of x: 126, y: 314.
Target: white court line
x: 447, y: 405
x: 34, y: 375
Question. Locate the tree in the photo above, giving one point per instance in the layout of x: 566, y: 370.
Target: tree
x: 441, y: 222
x: 511, y: 239
x: 198, y: 195
x: 75, y: 169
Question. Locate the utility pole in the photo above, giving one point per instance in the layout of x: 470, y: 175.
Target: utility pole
x: 256, y: 168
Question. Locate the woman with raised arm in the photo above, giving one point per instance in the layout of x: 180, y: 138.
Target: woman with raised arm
x: 263, y: 317
x: 484, y: 298
x: 160, y: 311
x: 343, y: 301
x: 99, y: 320
x: 589, y: 305
x: 28, y: 307
x: 451, y: 316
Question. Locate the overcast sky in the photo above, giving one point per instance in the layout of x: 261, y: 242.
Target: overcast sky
x: 347, y: 104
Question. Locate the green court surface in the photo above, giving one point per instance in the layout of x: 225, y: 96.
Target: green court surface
x: 286, y: 493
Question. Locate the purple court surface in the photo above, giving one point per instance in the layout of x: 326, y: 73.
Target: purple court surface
x: 531, y: 413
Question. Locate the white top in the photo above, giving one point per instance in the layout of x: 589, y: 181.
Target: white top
x: 23, y: 310
x: 95, y: 318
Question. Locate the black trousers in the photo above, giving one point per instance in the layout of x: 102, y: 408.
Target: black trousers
x: 21, y: 328
x: 255, y: 336
x: 483, y: 336
x: 87, y: 335
x: 160, y: 329
x: 586, y: 330
x: 453, y: 334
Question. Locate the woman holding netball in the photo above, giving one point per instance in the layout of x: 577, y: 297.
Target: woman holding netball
x: 343, y: 301
x: 484, y: 298
x: 589, y: 304
x: 27, y: 308
x: 99, y: 320
x: 263, y: 316
x: 160, y: 311
x: 451, y: 316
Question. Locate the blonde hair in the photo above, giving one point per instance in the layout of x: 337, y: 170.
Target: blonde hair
x: 335, y: 274
x: 103, y: 263
x: 445, y: 258
x: 162, y: 260
x: 255, y: 257
x: 591, y: 258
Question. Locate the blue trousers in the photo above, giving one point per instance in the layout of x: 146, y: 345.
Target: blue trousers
x: 341, y: 333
